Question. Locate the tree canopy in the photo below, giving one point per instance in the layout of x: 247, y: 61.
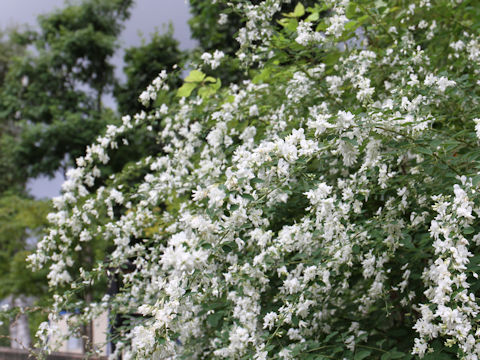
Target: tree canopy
x: 142, y: 64
x: 56, y: 90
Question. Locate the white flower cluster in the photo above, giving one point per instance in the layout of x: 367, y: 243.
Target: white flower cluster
x: 312, y: 210
x: 150, y: 94
x: 455, y: 309
x: 306, y: 36
x: 213, y: 60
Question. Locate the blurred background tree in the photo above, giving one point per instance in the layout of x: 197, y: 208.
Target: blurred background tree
x: 142, y: 64
x: 21, y: 217
x: 55, y: 91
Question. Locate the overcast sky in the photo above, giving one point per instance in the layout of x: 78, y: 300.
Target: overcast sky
x: 147, y: 15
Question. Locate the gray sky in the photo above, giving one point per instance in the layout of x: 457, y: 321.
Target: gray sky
x: 147, y: 15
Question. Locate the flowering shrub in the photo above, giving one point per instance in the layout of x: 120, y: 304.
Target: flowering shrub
x: 327, y: 208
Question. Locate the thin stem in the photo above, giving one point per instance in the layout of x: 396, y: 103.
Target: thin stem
x: 412, y: 139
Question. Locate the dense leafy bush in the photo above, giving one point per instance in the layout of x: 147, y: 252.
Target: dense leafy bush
x: 325, y: 208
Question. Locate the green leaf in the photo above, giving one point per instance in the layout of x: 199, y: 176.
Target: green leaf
x: 257, y: 181
x: 393, y: 354
x: 322, y: 26
x: 351, y: 10
x: 468, y: 230
x: 385, y: 356
x: 195, y: 76
x: 351, y: 25
x: 248, y: 197
x: 264, y: 75
x: 362, y: 354
x: 289, y: 24
x: 362, y: 19
x: 426, y: 151
x: 437, y: 356
x: 217, y: 85
x: 186, y: 89
x: 299, y: 11
x: 313, y: 17
x: 476, y: 180
x: 380, y: 4
x: 331, y: 335
x: 209, y: 90
x: 214, y: 319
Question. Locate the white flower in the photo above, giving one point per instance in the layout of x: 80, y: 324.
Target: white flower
x: 253, y: 111
x: 319, y: 193
x: 143, y: 339
x: 239, y: 338
x: 443, y: 83
x: 477, y: 126
x: 345, y: 119
x: 269, y: 320
x: 318, y: 121
x: 223, y: 19
x: 420, y: 348
x: 25, y: 80
x: 305, y: 34
x: 285, y: 354
x: 199, y: 194
x: 213, y: 60
x: 337, y: 24
x: 292, y: 285
x: 216, y: 196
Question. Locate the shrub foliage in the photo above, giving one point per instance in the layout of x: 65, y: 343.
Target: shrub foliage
x: 325, y: 208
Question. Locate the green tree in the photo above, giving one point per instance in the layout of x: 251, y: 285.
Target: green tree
x: 21, y: 221
x: 50, y: 109
x: 55, y: 92
x: 213, y: 30
x: 11, y: 175
x: 21, y: 218
x: 8, y: 50
x: 142, y: 64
